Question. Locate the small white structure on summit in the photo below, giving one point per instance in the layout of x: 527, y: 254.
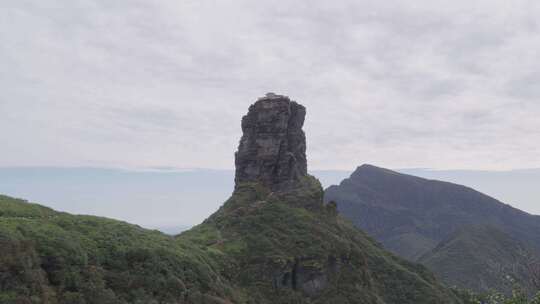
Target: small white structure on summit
x: 272, y: 95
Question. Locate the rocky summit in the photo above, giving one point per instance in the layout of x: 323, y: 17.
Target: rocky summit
x: 272, y: 242
x: 272, y: 150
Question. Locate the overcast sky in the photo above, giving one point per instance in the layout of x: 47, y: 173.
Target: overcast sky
x: 400, y: 84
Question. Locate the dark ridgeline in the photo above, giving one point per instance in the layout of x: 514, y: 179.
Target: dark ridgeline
x: 411, y: 216
x: 272, y: 150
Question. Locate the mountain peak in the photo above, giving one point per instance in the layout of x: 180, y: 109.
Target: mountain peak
x: 272, y: 150
x: 411, y: 215
x: 369, y: 170
x: 365, y: 167
x: 272, y: 241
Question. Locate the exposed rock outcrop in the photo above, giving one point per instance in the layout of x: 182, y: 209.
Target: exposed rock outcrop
x: 266, y: 245
x: 272, y: 150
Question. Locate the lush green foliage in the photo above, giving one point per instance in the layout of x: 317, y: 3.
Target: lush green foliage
x: 270, y: 237
x: 50, y: 257
x: 483, y: 258
x: 518, y: 296
x: 260, y: 247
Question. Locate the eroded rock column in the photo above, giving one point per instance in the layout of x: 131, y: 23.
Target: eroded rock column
x: 272, y: 149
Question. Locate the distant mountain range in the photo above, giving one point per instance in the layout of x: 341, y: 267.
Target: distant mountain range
x: 439, y: 224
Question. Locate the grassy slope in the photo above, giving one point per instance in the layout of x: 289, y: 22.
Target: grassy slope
x: 51, y: 257
x: 482, y: 258
x: 266, y: 235
x: 411, y: 215
x: 258, y: 248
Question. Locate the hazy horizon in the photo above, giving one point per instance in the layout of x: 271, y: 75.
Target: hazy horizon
x: 152, y: 87
x: 173, y: 200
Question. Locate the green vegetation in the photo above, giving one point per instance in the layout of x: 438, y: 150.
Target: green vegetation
x: 50, y: 257
x: 483, y: 258
x: 420, y: 220
x: 518, y: 296
x: 260, y: 247
x: 278, y: 237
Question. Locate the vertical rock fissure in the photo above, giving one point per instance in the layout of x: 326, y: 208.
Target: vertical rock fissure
x: 294, y: 275
x: 275, y: 171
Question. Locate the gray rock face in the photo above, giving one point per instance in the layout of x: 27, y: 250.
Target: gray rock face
x: 302, y: 275
x: 272, y: 150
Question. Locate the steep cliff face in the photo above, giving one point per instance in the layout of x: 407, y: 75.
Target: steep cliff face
x: 272, y: 150
x: 278, y: 249
x: 283, y: 244
x: 272, y: 242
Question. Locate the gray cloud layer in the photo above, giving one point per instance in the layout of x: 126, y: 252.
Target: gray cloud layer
x: 164, y: 83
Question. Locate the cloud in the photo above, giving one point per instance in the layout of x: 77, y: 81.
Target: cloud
x: 165, y: 83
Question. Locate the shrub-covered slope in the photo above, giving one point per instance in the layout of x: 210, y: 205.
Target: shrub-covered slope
x: 290, y: 248
x: 272, y: 242
x: 483, y: 258
x: 411, y: 216
x: 260, y: 247
x: 52, y: 257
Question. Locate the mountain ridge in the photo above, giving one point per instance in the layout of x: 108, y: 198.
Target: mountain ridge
x: 411, y: 216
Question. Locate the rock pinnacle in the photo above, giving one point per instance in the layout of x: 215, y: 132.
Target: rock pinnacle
x: 272, y: 149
